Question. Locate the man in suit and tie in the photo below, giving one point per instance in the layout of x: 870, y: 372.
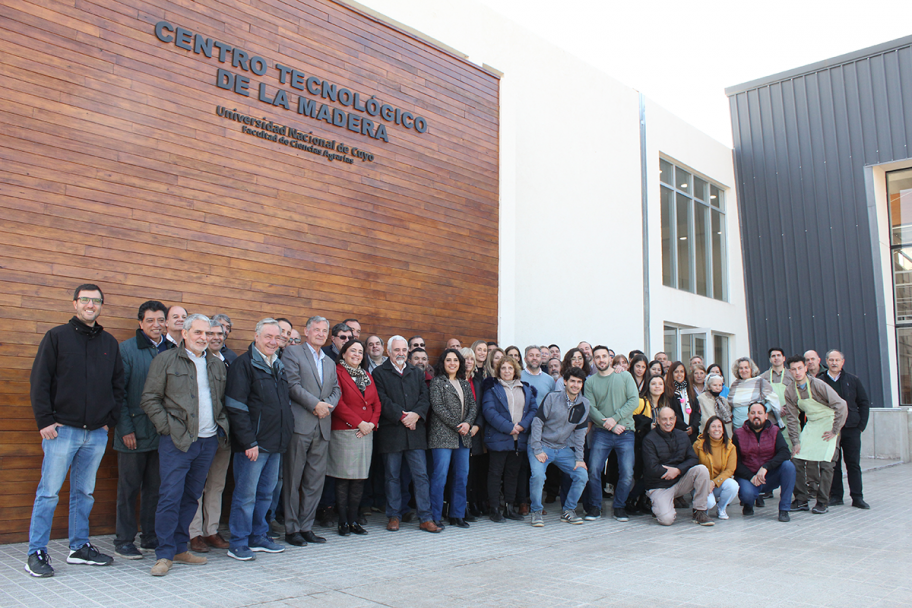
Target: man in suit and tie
x: 314, y: 392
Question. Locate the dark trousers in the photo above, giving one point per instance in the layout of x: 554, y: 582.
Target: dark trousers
x: 137, y: 476
x: 477, y: 488
x: 183, y: 475
x: 503, y: 466
x: 849, y: 450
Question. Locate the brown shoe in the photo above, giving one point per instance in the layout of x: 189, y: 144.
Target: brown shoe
x: 523, y: 509
x: 161, y: 567
x: 393, y: 525
x: 188, y: 558
x: 701, y: 518
x: 429, y: 526
x: 199, y: 545
x: 216, y: 541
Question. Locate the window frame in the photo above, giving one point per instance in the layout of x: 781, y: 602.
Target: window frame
x: 696, y: 205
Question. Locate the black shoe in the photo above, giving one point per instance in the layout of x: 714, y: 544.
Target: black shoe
x: 820, y: 508
x: 497, y: 517
x: 357, y: 529
x: 39, y: 564
x: 836, y: 502
x: 150, y: 545
x: 439, y: 523
x: 459, y: 522
x: 621, y: 515
x: 89, y: 555
x: 310, y: 537
x: 295, y: 539
x: 328, y: 520
x: 765, y: 495
x: 784, y: 516
x: 127, y: 551
x: 760, y: 503
x: 470, y: 518
x: 550, y: 498
x: 800, y: 506
x: 344, y: 530
x: 362, y: 519
x: 859, y: 503
x: 474, y: 510
x: 592, y: 514
x: 408, y: 517
x: 273, y: 535
x: 747, y: 510
x: 511, y: 513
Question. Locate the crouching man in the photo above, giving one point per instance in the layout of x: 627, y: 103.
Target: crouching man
x: 557, y: 436
x: 671, y: 469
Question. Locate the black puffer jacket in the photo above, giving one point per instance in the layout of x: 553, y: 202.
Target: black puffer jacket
x: 258, y: 404
x: 77, y: 377
x: 670, y: 449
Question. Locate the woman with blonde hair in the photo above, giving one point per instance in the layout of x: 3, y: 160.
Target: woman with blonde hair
x: 747, y: 388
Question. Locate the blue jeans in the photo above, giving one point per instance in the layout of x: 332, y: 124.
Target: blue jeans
x: 565, y: 460
x: 78, y: 451
x: 783, y: 477
x: 602, y: 443
x: 723, y: 495
x: 442, y: 458
x: 254, y: 483
x: 417, y: 464
x: 183, y: 476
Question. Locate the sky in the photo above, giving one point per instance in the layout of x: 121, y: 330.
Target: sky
x: 684, y: 54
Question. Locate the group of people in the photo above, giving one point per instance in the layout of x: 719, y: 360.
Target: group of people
x: 348, y: 427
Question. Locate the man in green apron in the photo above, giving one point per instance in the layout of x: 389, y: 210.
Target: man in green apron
x: 779, y: 378
x: 814, y: 447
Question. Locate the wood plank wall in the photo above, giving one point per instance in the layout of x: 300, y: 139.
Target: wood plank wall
x: 115, y: 169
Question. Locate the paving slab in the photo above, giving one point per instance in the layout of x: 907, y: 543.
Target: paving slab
x: 847, y: 557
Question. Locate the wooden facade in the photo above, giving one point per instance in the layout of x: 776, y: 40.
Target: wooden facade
x: 115, y: 169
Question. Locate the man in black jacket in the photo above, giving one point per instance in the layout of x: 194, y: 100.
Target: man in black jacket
x: 850, y: 388
x: 261, y: 423
x: 402, y: 436
x: 671, y: 469
x: 77, y: 388
x: 763, y: 462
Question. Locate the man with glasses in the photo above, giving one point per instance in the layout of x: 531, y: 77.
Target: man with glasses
x: 73, y: 424
x: 295, y: 337
x: 415, y: 342
x: 228, y: 355
x: 341, y: 333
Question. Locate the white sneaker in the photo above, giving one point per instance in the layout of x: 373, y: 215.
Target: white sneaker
x: 723, y: 514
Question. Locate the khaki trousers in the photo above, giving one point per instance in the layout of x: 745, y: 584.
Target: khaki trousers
x: 209, y: 512
x: 813, y: 480
x: 696, y: 479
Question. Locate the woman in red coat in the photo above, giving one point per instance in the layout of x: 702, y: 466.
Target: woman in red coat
x: 353, y: 423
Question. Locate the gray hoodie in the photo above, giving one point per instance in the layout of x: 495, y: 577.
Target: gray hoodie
x: 559, y: 423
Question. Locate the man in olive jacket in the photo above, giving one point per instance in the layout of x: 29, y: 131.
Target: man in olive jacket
x: 184, y: 398
x: 135, y: 438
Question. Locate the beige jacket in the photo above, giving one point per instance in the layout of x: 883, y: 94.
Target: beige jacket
x: 821, y: 392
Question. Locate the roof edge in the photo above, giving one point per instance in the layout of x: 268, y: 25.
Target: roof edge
x: 819, y: 65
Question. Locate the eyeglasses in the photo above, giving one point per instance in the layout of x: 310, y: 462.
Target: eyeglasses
x: 95, y: 301
x: 295, y: 340
x: 418, y: 345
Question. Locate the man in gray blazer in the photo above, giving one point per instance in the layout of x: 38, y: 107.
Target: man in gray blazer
x: 314, y: 393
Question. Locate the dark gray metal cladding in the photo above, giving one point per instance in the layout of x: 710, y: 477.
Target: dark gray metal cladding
x: 812, y: 268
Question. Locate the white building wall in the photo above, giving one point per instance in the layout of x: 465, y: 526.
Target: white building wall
x: 571, y: 263
x: 669, y: 136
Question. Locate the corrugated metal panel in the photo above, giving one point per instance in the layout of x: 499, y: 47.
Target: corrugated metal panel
x: 801, y: 144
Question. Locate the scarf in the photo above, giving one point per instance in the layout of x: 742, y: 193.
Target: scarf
x: 516, y: 398
x: 362, y: 380
x: 681, y: 393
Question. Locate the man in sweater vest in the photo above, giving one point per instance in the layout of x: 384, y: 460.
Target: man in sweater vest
x: 763, y: 462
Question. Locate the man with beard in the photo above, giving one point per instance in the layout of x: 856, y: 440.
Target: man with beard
x: 763, y: 462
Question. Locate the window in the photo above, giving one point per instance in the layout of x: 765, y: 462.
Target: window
x: 693, y: 232
x: 682, y: 343
x: 899, y: 197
